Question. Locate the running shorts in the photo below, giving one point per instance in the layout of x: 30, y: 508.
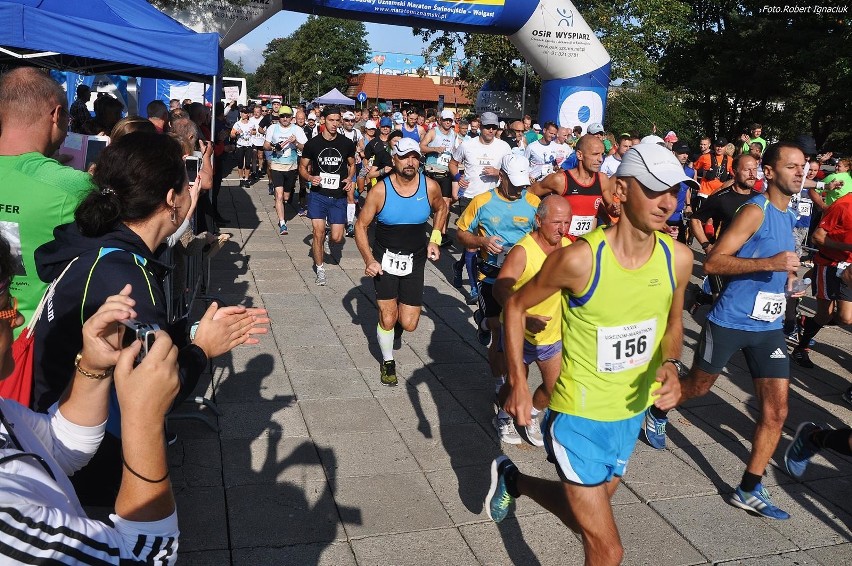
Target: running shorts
x: 765, y: 351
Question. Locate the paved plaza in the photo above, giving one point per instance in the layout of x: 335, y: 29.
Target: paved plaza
x: 316, y: 463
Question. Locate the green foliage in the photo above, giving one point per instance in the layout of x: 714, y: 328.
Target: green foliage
x: 331, y: 45
x: 648, y: 108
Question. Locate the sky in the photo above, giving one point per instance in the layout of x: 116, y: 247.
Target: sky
x: 384, y: 38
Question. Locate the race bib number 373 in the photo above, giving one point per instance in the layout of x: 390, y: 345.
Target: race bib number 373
x: 625, y: 347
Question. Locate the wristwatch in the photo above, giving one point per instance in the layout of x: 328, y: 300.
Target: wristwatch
x: 681, y: 368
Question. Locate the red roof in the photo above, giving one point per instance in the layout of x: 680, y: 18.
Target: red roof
x: 398, y: 87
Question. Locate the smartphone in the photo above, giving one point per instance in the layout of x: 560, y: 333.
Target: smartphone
x: 136, y: 330
x: 193, y: 166
x: 94, y: 146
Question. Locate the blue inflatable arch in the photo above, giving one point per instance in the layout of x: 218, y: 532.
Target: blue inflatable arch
x: 551, y: 34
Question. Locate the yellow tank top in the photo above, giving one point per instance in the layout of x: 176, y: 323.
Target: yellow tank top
x: 611, y: 334
x: 552, y: 333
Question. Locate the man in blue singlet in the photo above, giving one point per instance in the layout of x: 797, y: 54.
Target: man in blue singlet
x: 438, y: 145
x: 401, y: 204
x: 756, y: 255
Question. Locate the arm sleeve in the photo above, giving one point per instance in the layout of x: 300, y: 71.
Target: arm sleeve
x: 36, y: 534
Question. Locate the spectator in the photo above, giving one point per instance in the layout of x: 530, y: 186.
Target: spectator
x: 157, y: 112
x: 79, y: 111
x: 132, y: 124
x: 39, y: 193
x: 142, y: 197
x: 107, y: 114
x: 42, y: 519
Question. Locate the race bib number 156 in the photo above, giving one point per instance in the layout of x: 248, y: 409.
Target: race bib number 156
x: 626, y: 347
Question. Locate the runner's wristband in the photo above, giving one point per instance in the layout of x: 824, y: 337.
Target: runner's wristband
x: 457, y: 177
x: 436, y: 237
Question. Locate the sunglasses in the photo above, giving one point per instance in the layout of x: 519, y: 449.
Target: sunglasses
x: 348, y: 120
x: 490, y: 127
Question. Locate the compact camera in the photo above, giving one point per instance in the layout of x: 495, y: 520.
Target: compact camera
x: 139, y: 331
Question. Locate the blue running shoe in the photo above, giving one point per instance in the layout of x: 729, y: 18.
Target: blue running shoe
x: 655, y: 430
x: 498, y: 501
x: 801, y: 450
x: 282, y: 228
x: 474, y: 296
x: 757, y: 501
x: 457, y: 275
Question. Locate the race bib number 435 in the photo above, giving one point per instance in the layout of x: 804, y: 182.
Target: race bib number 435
x: 625, y: 347
x: 769, y: 306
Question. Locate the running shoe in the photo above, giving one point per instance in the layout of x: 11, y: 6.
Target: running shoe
x: 457, y: 274
x: 326, y: 245
x: 303, y: 211
x: 388, y: 374
x: 282, y: 227
x: 802, y: 357
x: 655, y: 430
x: 847, y: 395
x: 482, y: 334
x: 321, y: 279
x: 791, y: 330
x: 350, y: 230
x: 533, y: 430
x: 474, y: 296
x: 801, y: 450
x: 757, y: 501
x: 506, y: 430
x: 498, y: 501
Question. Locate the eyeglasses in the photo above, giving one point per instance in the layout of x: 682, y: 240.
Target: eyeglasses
x: 348, y: 120
x: 11, y: 313
x: 489, y: 127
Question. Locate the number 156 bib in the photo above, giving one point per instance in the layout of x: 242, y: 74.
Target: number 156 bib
x: 626, y: 347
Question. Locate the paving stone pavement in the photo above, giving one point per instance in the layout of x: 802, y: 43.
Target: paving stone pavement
x: 315, y: 463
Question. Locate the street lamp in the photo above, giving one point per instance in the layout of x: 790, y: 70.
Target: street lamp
x: 319, y: 76
x: 378, y: 60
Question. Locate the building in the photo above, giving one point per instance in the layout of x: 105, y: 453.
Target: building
x: 410, y: 90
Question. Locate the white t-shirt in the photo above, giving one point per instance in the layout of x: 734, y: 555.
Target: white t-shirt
x: 244, y: 132
x: 258, y: 138
x: 562, y: 151
x: 610, y: 165
x: 542, y: 159
x: 289, y: 155
x: 474, y: 156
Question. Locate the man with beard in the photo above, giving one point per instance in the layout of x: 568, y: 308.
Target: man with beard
x: 401, y: 205
x: 757, y: 258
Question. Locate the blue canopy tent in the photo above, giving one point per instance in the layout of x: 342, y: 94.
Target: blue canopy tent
x: 111, y: 37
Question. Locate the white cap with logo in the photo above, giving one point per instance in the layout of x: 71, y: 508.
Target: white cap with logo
x: 348, y: 115
x: 517, y: 168
x: 447, y: 115
x: 404, y: 146
x: 654, y: 166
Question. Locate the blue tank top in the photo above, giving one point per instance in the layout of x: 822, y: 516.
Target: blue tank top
x: 736, y: 304
x: 401, y: 223
x: 441, y: 161
x: 415, y: 135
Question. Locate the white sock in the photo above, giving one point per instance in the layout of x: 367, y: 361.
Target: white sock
x: 534, y: 412
x: 350, y: 213
x: 385, y: 342
x: 320, y: 266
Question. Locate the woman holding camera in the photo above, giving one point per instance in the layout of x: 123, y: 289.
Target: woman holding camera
x: 141, y: 198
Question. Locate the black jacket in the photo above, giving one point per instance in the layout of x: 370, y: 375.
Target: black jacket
x: 104, y: 266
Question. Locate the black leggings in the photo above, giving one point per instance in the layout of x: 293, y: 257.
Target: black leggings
x: 245, y: 156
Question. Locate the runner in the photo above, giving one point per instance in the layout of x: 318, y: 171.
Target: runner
x: 242, y: 130
x: 328, y: 162
x: 283, y: 140
x: 438, y: 145
x: 756, y: 256
x: 542, y: 329
x: 620, y: 353
x: 357, y: 138
x: 401, y: 205
x: 493, y: 222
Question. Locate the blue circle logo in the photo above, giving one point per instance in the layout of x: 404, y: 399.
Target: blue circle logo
x: 584, y: 113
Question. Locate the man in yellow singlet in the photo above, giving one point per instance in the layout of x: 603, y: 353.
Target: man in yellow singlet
x: 620, y: 352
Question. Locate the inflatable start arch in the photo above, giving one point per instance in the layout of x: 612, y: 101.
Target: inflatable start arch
x: 551, y: 34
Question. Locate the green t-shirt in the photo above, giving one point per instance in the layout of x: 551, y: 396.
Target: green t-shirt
x: 831, y: 196
x: 759, y: 140
x: 36, y: 195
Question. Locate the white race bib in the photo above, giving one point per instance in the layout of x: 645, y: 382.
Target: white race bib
x: 397, y: 264
x: 626, y: 347
x: 805, y: 208
x: 581, y: 225
x: 329, y: 181
x: 444, y: 159
x: 768, y: 306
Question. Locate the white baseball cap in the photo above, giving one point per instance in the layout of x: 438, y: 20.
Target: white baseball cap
x: 653, y: 139
x: 312, y: 116
x: 404, y: 146
x: 654, y: 166
x: 348, y: 115
x: 536, y: 127
x: 447, y: 115
x: 517, y: 168
x: 595, y: 128
x: 370, y: 125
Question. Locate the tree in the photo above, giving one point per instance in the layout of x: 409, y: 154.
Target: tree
x: 333, y: 46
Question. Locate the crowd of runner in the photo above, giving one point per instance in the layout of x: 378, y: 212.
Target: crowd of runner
x: 552, y: 225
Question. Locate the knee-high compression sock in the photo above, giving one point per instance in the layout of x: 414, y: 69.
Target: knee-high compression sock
x: 837, y: 440
x: 810, y: 330
x: 350, y: 213
x: 470, y: 264
x: 385, y: 342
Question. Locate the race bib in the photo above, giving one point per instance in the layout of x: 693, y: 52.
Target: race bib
x: 444, y: 159
x: 287, y: 152
x: 329, y: 181
x: 581, y: 225
x: 397, y: 264
x: 805, y: 208
x: 768, y: 306
x: 625, y: 347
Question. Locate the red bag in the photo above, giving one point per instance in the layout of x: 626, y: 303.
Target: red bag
x: 18, y: 386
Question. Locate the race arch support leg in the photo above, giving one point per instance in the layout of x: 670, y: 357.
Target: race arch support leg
x: 579, y: 101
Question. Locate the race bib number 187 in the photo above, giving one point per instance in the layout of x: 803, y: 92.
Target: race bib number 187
x: 625, y: 347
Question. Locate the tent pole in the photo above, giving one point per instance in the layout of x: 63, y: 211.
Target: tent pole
x: 214, y: 100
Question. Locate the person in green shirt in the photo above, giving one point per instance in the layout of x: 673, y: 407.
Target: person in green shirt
x: 753, y: 137
x: 36, y: 192
x: 840, y: 174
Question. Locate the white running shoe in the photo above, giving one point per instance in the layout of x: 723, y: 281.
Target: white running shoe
x: 533, y: 430
x: 506, y: 430
x: 321, y: 280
